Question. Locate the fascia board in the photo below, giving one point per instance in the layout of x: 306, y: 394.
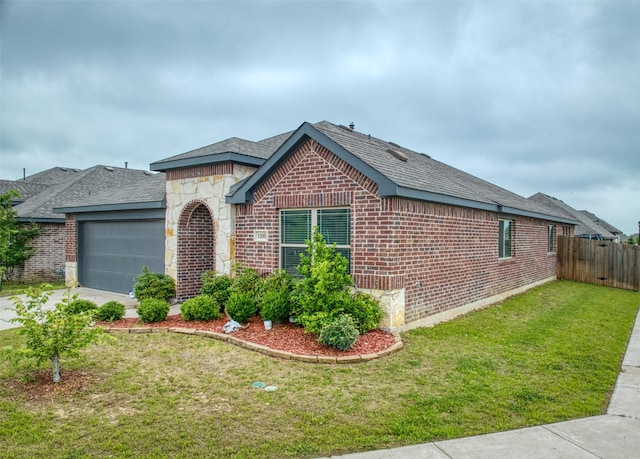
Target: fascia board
x: 443, y: 199
x: 460, y: 202
x: 136, y: 214
x: 527, y: 213
x: 229, y: 157
x: 111, y: 207
x: 40, y: 220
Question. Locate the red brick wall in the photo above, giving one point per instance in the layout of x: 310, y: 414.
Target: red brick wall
x: 71, y: 238
x: 450, y: 255
x: 47, y: 263
x: 196, y: 249
x: 444, y: 256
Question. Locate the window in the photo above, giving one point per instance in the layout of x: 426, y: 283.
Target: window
x: 297, y: 225
x: 505, y: 239
x: 551, y: 238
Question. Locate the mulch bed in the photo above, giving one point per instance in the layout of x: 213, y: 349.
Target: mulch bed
x: 284, y: 337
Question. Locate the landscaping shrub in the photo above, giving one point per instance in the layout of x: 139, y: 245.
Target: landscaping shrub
x: 153, y: 285
x: 79, y: 306
x: 365, y: 311
x: 217, y: 286
x: 110, y: 311
x: 153, y: 310
x: 341, y: 332
x: 241, y: 306
x: 203, y: 307
x: 247, y: 280
x: 323, y: 295
x: 275, y: 303
x: 322, y: 290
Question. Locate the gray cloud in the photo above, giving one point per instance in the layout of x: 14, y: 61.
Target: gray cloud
x: 525, y: 95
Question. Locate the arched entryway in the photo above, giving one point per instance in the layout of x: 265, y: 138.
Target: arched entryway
x: 196, y: 248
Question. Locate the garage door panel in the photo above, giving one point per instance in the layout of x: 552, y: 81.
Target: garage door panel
x: 112, y: 253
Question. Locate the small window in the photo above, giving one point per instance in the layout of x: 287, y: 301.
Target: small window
x: 505, y: 239
x: 297, y: 225
x: 551, y: 238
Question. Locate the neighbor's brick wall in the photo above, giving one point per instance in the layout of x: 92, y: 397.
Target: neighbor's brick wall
x: 47, y: 262
x: 443, y: 256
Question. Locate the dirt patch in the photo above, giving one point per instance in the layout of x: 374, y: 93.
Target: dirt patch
x: 38, y: 385
x: 284, y: 337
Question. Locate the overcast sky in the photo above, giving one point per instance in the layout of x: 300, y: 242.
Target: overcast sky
x: 531, y: 96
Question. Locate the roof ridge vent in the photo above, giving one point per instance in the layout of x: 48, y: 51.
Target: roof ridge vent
x: 398, y: 154
x: 109, y: 168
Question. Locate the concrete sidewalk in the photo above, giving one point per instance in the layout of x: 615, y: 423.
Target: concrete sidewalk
x: 613, y: 435
x: 97, y: 296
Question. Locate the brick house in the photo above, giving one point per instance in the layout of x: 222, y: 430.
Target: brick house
x: 589, y: 225
x: 428, y: 240
x: 42, y: 192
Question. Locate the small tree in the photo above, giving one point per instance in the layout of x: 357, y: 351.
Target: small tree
x: 14, y: 236
x: 323, y: 285
x: 322, y: 294
x: 54, y: 332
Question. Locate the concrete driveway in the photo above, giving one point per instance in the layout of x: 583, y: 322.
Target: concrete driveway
x: 97, y: 296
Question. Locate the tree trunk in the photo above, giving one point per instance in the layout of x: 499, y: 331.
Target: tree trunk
x: 56, y: 368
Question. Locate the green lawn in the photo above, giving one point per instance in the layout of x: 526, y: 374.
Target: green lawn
x: 548, y: 355
x: 17, y: 288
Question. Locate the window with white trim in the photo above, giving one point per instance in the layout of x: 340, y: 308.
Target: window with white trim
x: 296, y: 227
x: 505, y: 239
x: 551, y: 238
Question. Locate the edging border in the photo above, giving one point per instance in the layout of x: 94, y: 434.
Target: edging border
x: 285, y: 355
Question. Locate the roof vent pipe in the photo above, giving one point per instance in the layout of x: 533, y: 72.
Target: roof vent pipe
x: 24, y: 174
x: 352, y: 126
x: 126, y: 164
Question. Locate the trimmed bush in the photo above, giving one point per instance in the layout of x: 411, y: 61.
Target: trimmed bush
x: 217, y: 286
x: 340, y: 333
x: 247, y: 280
x: 153, y: 310
x: 203, y: 307
x: 275, y: 305
x: 241, y: 306
x: 153, y: 285
x: 111, y: 311
x: 365, y: 311
x: 79, y: 306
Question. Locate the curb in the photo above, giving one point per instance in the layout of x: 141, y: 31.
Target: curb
x: 276, y: 353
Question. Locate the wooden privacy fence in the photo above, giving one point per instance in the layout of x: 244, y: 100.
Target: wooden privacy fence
x: 599, y: 262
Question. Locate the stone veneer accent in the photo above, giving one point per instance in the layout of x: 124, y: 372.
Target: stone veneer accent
x: 392, y: 303
x: 208, y: 185
x: 71, y: 250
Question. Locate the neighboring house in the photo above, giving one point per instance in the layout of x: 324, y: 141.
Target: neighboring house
x: 428, y: 240
x: 612, y: 229
x: 589, y: 225
x: 55, y: 187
